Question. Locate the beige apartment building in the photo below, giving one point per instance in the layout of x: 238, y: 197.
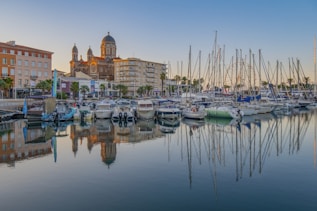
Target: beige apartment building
x: 134, y: 73
x: 26, y: 66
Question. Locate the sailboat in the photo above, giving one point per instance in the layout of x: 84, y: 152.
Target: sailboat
x: 194, y: 111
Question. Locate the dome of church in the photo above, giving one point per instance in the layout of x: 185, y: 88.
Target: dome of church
x: 108, y: 38
x: 89, y: 52
x: 75, y: 50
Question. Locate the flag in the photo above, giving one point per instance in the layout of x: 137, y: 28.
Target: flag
x: 25, y: 107
x: 54, y: 89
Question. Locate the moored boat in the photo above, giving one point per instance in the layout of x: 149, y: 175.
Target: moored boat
x: 145, y: 109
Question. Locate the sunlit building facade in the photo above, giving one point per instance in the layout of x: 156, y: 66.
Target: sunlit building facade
x: 134, y: 73
x: 26, y: 66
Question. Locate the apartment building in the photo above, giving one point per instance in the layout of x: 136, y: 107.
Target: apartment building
x: 134, y: 73
x: 26, y: 66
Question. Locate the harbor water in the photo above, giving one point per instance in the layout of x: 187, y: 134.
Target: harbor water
x: 263, y: 162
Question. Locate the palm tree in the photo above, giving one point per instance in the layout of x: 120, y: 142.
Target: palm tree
x: 195, y: 84
x: 9, y: 84
x: 122, y: 89
x: 183, y: 82
x: 290, y: 80
x: 264, y: 84
x: 102, y: 87
x: 74, y: 87
x: 177, y: 78
x: 148, y: 89
x: 140, y: 90
x: 84, y: 89
x: 2, y: 86
x: 184, y: 79
x: 306, y: 79
x: 162, y: 77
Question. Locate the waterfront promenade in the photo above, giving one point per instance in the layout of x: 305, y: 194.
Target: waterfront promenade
x: 11, y: 104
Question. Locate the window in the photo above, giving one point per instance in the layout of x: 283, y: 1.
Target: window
x: 12, y: 62
x: 11, y: 71
x: 20, y: 82
x: 26, y: 63
x: 39, y: 74
x: 45, y: 56
x: 39, y: 55
x: 45, y: 65
x: 33, y: 73
x: 33, y: 63
x: 26, y: 82
x: 45, y: 74
x: 4, y: 50
x: 20, y: 72
x: 12, y: 52
x: 26, y: 72
x: 4, y: 60
x: 4, y: 147
x: 39, y: 65
x: 19, y: 62
x: 20, y: 53
x: 26, y: 53
x: 33, y: 54
x: 4, y: 71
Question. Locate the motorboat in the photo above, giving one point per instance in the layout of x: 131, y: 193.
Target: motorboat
x: 123, y: 112
x: 145, y: 109
x: 104, y: 109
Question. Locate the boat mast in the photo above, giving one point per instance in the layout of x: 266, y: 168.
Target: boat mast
x: 199, y: 71
x: 315, y: 88
x: 260, y: 82
x: 189, y: 70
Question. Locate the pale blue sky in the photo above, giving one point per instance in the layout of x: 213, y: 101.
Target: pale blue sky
x: 163, y: 30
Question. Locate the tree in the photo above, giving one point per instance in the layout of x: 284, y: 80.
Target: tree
x: 290, y: 80
x: 122, y: 89
x: 306, y: 79
x: 50, y: 85
x: 43, y: 85
x: 84, y: 89
x: 163, y: 77
x: 195, y: 84
x: 177, y: 78
x: 74, y: 87
x: 102, y: 87
x: 2, y: 86
x: 148, y: 89
x: 9, y: 84
x: 184, y: 79
x: 265, y: 83
x: 140, y: 90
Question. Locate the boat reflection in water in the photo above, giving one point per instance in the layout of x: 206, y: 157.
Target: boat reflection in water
x: 253, y: 137
x: 168, y: 125
x: 214, y: 164
x: 249, y: 143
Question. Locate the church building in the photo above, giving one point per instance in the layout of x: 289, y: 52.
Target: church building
x: 98, y: 68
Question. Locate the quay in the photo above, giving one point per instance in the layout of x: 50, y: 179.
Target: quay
x: 11, y: 104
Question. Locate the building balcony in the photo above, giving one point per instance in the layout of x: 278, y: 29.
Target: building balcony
x: 150, y: 70
x: 150, y: 80
x: 148, y: 75
x: 33, y: 77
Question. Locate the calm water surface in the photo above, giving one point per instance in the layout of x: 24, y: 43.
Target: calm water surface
x: 267, y: 162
